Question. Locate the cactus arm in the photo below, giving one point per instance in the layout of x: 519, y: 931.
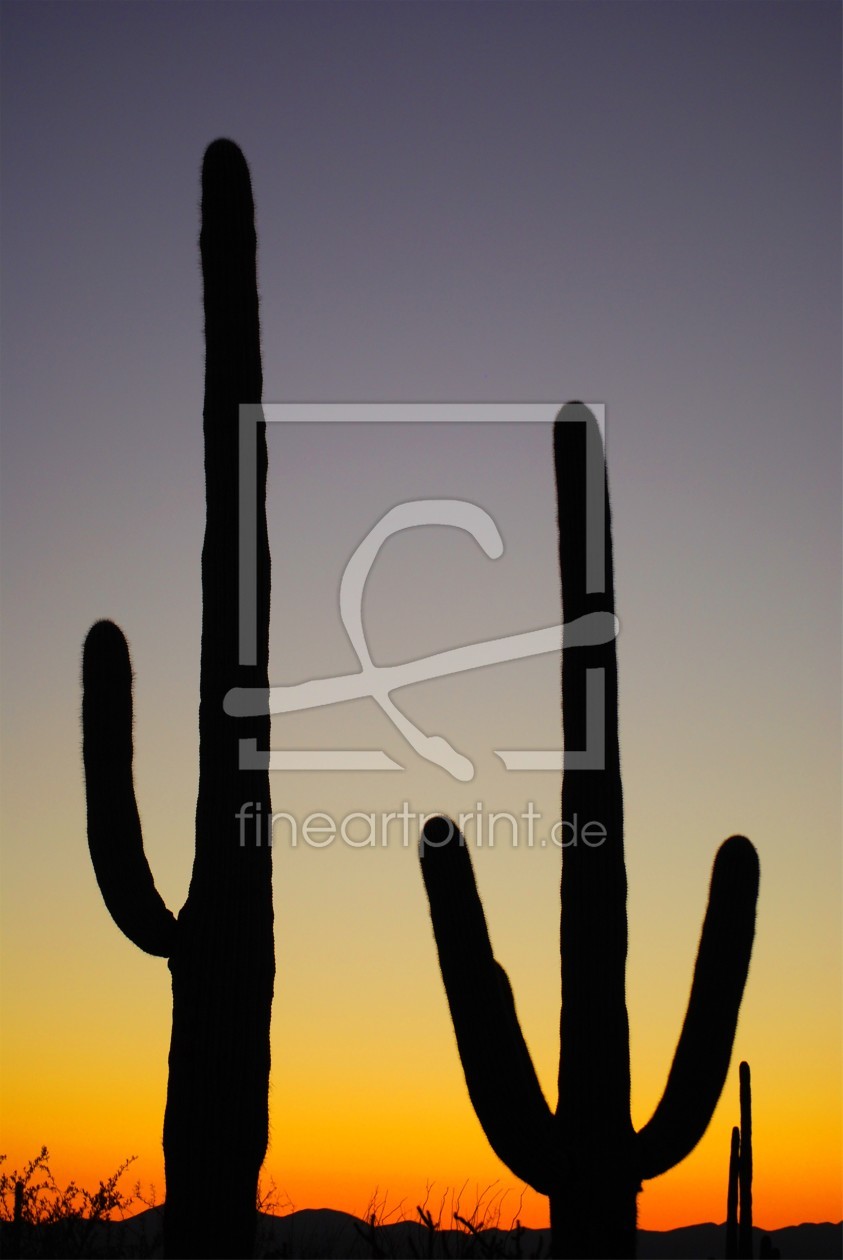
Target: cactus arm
x: 702, y: 1055
x: 114, y: 830
x: 499, y: 1072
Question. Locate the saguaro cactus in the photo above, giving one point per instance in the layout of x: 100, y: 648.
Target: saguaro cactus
x: 745, y: 1173
x: 739, y: 1198
x: 732, y: 1196
x: 220, y: 948
x: 586, y: 1156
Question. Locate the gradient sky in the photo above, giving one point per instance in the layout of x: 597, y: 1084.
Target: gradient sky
x: 632, y: 203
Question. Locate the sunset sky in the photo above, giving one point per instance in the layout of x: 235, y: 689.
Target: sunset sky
x: 636, y: 204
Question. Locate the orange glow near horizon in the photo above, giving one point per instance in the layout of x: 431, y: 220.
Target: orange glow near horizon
x: 368, y: 1102
x: 402, y: 1158
x: 678, y: 1199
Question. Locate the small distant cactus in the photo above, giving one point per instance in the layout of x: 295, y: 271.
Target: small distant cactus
x: 745, y: 1169
x: 739, y: 1243
x: 586, y: 1156
x: 732, y: 1196
x: 220, y: 948
x: 15, y: 1245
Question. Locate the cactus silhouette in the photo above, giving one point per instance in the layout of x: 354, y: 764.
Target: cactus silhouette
x: 745, y: 1172
x: 14, y: 1246
x: 220, y: 948
x: 739, y: 1198
x: 586, y: 1156
x: 732, y: 1196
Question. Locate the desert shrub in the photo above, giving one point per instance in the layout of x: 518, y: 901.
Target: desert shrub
x: 39, y: 1218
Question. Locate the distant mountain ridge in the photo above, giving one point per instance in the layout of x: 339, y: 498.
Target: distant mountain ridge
x: 325, y: 1234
